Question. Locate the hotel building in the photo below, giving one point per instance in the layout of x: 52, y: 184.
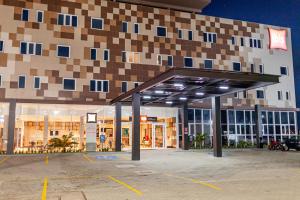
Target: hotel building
x: 60, y: 60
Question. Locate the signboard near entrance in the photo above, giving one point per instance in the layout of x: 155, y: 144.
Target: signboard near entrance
x: 91, y: 131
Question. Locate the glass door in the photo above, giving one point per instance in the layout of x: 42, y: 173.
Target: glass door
x: 159, y: 136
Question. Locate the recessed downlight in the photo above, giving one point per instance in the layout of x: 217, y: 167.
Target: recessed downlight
x: 199, y: 93
x: 147, y: 97
x: 159, y: 92
x: 169, y: 102
x: 182, y: 98
x: 223, y: 87
x: 178, y: 85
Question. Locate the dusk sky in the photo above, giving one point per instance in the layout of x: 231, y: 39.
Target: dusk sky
x: 276, y: 12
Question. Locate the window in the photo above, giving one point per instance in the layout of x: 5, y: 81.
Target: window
x: 67, y: 20
x: 31, y: 48
x: 188, y: 62
x: 22, y: 80
x: 125, y: 27
x: 25, y: 15
x: 208, y: 64
x: 136, y: 84
x: 242, y: 42
x: 161, y: 31
x: 69, y: 84
x: 98, y: 86
x: 190, y: 35
x: 251, y: 42
x: 252, y: 68
x: 236, y: 66
x: 37, y: 83
x: 261, y: 69
x: 233, y: 40
x: 283, y: 71
x: 279, y: 95
x: 106, y: 55
x: 287, y: 95
x: 180, y: 34
x: 97, y: 23
x: 1, y: 46
x: 93, y: 54
x: 170, y: 61
x: 159, y: 59
x: 63, y: 51
x: 39, y: 16
x: 130, y: 57
x: 124, y: 87
x: 256, y: 43
x: 245, y: 94
x: 260, y: 94
x: 210, y: 37
x: 136, y: 28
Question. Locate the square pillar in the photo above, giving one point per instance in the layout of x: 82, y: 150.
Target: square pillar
x: 81, y: 133
x: 258, y: 125
x: 185, y: 126
x: 46, y: 127
x: 136, y: 113
x: 11, y: 127
x: 217, y: 131
x: 118, y: 126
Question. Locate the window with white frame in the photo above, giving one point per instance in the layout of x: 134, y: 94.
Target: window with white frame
x: 208, y: 64
x: 97, y: 23
x: 124, y: 27
x: 188, y: 62
x: 39, y: 16
x: 242, y: 41
x: 67, y: 20
x: 260, y: 94
x: 31, y: 48
x: 63, y: 51
x: 25, y: 15
x: 255, y: 43
x: 190, y: 35
x: 161, y: 31
x: 261, y: 69
x: 69, y: 84
x: 236, y: 66
x: 233, y: 40
x: 180, y: 33
x: 1, y: 46
x: 93, y: 54
x: 99, y: 85
x: 210, y: 37
x: 283, y: 70
x: 170, y: 61
x: 279, y: 95
x: 37, y: 82
x: 136, y: 28
x: 1, y: 80
x: 124, y: 86
x: 106, y: 55
x: 287, y: 95
x: 22, y: 82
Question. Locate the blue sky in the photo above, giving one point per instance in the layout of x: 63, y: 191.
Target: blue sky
x: 276, y: 12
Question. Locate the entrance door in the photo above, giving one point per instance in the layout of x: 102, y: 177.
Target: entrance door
x: 159, y: 134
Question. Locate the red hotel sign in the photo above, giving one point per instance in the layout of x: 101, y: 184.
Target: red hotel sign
x: 278, y: 39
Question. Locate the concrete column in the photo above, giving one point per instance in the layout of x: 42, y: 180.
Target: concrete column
x: 118, y: 126
x: 258, y: 125
x: 46, y: 128
x: 136, y: 114
x: 185, y: 126
x: 11, y: 127
x: 216, y: 119
x: 5, y: 133
x: 81, y: 132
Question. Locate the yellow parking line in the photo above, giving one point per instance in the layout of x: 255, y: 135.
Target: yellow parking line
x: 139, y: 193
x: 88, y: 158
x: 46, y: 160
x: 196, y: 181
x: 44, y: 193
x: 3, y: 160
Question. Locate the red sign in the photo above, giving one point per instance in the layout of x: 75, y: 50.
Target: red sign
x: 278, y: 39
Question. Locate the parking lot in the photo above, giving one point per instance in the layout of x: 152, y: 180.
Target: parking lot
x: 161, y: 174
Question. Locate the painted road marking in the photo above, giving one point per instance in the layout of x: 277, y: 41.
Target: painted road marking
x: 46, y: 160
x: 88, y: 158
x: 44, y: 193
x: 196, y: 181
x: 3, y: 160
x: 139, y: 193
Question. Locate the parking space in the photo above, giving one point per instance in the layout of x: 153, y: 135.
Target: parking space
x: 161, y: 174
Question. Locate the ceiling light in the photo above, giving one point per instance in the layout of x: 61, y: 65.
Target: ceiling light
x: 159, y: 92
x: 169, y: 102
x: 224, y: 87
x: 199, y: 93
x: 146, y: 97
x: 178, y: 84
x: 183, y: 98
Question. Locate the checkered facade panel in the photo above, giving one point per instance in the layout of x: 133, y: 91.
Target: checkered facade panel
x: 52, y: 69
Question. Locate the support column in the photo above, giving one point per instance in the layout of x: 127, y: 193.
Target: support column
x: 185, y: 127
x: 136, y: 104
x: 46, y: 128
x: 216, y: 119
x: 5, y: 133
x: 258, y: 125
x: 81, y: 133
x: 118, y: 126
x: 11, y: 127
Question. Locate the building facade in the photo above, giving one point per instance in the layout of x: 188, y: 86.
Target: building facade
x: 60, y: 60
